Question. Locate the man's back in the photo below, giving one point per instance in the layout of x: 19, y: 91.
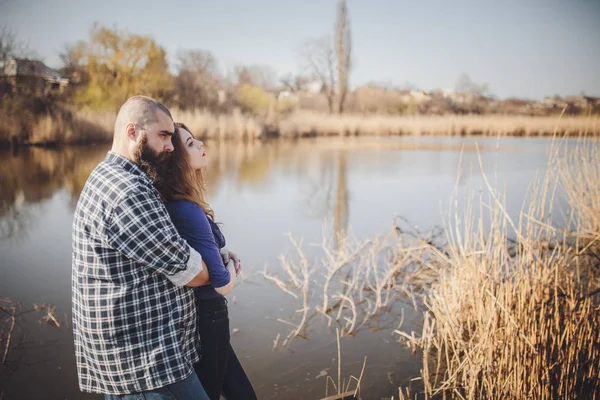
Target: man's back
x: 133, y: 321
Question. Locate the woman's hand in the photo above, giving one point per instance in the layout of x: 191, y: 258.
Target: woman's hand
x: 230, y: 255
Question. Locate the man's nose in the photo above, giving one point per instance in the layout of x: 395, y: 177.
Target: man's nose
x: 169, y: 146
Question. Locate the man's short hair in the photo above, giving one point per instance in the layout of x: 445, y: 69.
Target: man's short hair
x: 142, y: 110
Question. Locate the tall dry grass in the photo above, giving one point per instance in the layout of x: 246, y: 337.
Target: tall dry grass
x: 77, y: 127
x: 304, y: 123
x: 234, y: 125
x: 580, y: 177
x: 81, y: 126
x: 315, y: 124
x: 518, y: 318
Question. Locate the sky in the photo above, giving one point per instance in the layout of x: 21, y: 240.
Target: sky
x: 529, y: 49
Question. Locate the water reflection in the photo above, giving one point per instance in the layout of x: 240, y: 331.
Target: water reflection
x: 29, y: 176
x: 319, y: 166
x: 341, y: 211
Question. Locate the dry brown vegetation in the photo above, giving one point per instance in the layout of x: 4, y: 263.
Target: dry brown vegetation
x: 83, y: 126
x: 43, y: 123
x: 518, y: 318
x: 307, y: 124
x: 511, y: 306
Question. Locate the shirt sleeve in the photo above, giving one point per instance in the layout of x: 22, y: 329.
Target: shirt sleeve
x: 192, y: 223
x: 140, y: 228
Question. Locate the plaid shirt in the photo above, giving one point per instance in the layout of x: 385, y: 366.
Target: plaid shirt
x: 134, y: 324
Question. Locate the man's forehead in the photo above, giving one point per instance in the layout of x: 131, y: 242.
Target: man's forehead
x: 164, y: 123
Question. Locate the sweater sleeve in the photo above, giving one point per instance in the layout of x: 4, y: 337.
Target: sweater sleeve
x: 192, y: 224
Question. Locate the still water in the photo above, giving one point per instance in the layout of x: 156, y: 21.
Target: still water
x: 260, y: 192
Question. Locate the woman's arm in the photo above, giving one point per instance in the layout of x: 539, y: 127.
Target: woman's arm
x: 192, y: 223
x: 224, y: 290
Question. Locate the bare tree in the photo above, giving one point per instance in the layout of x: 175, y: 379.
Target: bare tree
x: 73, y: 59
x: 262, y: 76
x: 72, y: 55
x: 11, y: 46
x: 198, y: 80
x: 343, y: 48
x: 329, y: 61
x: 318, y: 57
x: 288, y: 82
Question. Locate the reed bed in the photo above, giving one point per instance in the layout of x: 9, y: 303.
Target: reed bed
x: 85, y: 126
x: 514, y: 312
x: 77, y: 127
x: 234, y: 125
x: 315, y: 124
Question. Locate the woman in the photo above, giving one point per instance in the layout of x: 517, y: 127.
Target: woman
x: 182, y: 188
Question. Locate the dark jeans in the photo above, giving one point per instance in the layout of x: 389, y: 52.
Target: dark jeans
x: 187, y: 389
x: 219, y: 370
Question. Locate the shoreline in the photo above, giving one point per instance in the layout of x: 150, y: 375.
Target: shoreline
x: 402, y: 145
x: 88, y: 127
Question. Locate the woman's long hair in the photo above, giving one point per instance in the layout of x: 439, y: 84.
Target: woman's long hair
x: 181, y: 181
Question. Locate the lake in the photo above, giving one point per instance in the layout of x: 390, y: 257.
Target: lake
x: 260, y: 191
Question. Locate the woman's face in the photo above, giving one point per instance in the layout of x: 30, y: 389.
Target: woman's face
x: 194, y: 148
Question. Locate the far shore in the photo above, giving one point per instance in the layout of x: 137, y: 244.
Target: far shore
x: 86, y: 127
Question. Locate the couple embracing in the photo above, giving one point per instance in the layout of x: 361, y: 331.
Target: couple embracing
x: 150, y: 269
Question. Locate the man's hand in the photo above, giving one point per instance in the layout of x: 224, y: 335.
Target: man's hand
x: 227, y: 255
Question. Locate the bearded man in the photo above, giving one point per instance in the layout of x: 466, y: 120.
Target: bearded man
x: 134, y: 320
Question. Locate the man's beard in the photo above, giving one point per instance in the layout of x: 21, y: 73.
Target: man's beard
x: 152, y: 163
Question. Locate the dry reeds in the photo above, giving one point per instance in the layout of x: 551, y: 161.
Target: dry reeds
x: 342, y: 388
x: 516, y: 319
x: 359, y: 279
x: 9, y: 312
x: 580, y: 175
x: 234, y: 125
x: 512, y: 306
x: 86, y: 126
x: 315, y: 124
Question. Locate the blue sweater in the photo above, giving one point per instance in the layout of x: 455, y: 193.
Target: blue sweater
x: 205, y: 237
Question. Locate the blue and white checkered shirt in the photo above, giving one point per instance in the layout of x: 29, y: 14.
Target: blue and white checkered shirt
x: 134, y: 322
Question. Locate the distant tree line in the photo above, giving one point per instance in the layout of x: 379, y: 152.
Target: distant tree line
x: 111, y: 65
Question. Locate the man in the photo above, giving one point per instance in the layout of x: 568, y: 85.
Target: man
x: 134, y: 321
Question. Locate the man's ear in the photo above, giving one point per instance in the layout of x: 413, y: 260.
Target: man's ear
x: 130, y: 129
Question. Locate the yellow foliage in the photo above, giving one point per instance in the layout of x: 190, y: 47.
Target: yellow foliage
x: 120, y: 65
x: 254, y: 99
x: 287, y: 105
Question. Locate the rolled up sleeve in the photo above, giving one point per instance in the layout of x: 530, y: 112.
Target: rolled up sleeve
x: 194, y: 267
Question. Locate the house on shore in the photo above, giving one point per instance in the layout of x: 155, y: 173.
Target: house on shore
x: 33, y: 76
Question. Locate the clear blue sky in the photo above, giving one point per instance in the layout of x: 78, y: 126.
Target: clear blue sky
x: 528, y: 48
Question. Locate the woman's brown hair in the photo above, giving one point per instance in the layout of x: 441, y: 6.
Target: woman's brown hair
x: 181, y: 181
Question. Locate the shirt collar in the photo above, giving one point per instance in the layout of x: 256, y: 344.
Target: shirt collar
x: 127, y: 165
